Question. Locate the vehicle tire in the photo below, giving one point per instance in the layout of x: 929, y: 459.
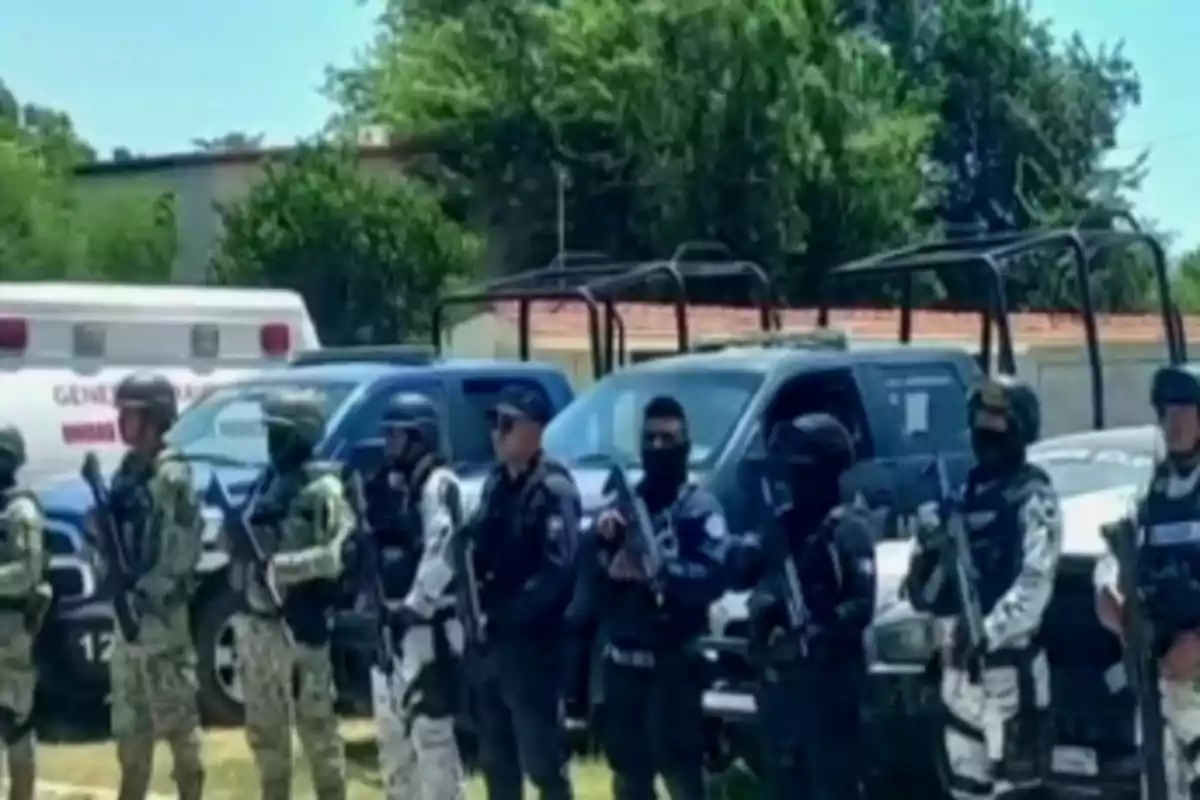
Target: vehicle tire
x: 216, y: 657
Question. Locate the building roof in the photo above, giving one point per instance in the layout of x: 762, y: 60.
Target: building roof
x: 400, y: 152
x: 550, y: 321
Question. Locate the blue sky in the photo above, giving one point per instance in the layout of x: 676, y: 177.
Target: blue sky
x: 131, y: 73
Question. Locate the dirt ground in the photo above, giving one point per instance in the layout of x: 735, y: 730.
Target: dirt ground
x: 231, y: 772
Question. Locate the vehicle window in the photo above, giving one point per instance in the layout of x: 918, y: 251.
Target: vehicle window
x: 227, y: 422
x: 607, y: 419
x: 470, y: 437
x: 927, y: 405
x: 366, y: 420
x: 1083, y: 470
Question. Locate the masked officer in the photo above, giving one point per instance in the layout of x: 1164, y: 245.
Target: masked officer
x: 998, y: 737
x: 24, y: 598
x: 302, y: 517
x: 521, y: 546
x: 1169, y: 514
x: 651, y: 614
x: 812, y: 576
x: 415, y: 502
x: 154, y: 510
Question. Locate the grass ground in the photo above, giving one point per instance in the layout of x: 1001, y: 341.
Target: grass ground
x: 231, y: 772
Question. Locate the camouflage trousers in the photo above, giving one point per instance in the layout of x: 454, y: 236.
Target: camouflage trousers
x: 1181, y: 734
x: 414, y: 715
x: 154, y: 697
x: 277, y: 678
x: 18, y: 682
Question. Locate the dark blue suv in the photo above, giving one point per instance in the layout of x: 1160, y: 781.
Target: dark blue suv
x: 222, y: 431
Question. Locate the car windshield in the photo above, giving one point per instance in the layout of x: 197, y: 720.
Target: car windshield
x: 226, y: 424
x: 606, y: 421
x: 1079, y: 471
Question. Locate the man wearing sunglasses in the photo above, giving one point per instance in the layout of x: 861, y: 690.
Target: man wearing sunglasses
x: 996, y: 692
x: 414, y: 502
x: 522, y: 542
x: 650, y: 616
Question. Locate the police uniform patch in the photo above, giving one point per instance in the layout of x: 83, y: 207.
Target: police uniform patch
x: 555, y: 526
x: 395, y: 480
x: 715, y: 526
x: 865, y: 566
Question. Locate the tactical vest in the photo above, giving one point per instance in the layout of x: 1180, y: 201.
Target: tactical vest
x: 1169, y: 562
x: 7, y: 498
x: 995, y: 535
x: 398, y: 526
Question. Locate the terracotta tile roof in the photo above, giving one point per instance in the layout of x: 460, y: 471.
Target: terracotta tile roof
x: 647, y: 321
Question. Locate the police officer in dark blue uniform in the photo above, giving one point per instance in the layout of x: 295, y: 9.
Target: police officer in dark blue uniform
x: 651, y: 668
x: 997, y: 734
x: 1170, y: 573
x: 812, y: 576
x: 523, y: 540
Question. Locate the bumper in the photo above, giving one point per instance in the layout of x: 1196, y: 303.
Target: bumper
x: 74, y: 649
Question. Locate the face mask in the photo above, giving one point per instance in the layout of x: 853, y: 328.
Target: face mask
x: 8, y: 471
x: 666, y: 467
x: 995, y: 451
x: 284, y: 450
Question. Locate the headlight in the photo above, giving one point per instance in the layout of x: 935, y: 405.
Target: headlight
x: 905, y: 638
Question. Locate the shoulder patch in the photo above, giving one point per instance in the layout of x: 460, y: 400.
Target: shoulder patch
x: 715, y: 526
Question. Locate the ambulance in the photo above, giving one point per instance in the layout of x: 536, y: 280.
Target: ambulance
x: 65, y: 346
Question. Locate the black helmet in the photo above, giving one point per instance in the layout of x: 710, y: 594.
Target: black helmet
x: 1014, y: 399
x: 818, y: 439
x: 151, y: 392
x: 415, y: 414
x: 1175, y: 385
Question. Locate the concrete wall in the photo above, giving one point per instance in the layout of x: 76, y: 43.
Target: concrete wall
x: 198, y: 184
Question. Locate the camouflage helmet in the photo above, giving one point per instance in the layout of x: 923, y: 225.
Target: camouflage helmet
x: 299, y: 411
x: 151, y: 392
x: 12, y: 443
x: 1175, y: 385
x: 1011, y: 397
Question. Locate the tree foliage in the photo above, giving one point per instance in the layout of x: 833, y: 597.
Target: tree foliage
x: 368, y: 254
x: 50, y: 228
x: 800, y: 132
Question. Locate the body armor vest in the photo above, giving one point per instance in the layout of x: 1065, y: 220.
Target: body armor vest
x: 995, y: 534
x: 1169, y: 562
x: 399, y: 528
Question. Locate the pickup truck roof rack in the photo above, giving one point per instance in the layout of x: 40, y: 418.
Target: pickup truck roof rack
x: 821, y: 339
x: 992, y: 257
x: 598, y: 281
x: 402, y: 355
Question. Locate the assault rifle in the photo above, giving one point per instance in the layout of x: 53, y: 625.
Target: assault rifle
x: 238, y: 522
x: 641, y: 539
x: 799, y: 616
x: 372, y: 575
x: 119, y: 575
x: 470, y: 608
x: 961, y: 565
x: 1141, y: 664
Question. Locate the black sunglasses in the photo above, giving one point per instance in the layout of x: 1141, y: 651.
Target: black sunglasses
x: 502, y: 421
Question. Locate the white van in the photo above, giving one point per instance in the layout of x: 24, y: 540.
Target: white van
x: 64, y: 346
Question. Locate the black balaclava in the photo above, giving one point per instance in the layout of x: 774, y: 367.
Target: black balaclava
x: 286, y: 450
x: 9, y: 464
x: 666, y: 471
x: 811, y: 489
x: 997, y: 453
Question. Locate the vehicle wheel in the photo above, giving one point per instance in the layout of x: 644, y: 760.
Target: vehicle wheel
x: 220, y: 694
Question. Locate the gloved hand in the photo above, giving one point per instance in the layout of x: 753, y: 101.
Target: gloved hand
x: 961, y: 654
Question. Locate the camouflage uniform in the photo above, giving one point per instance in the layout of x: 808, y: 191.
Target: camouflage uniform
x: 154, y: 683
x: 279, y: 660
x: 24, y: 596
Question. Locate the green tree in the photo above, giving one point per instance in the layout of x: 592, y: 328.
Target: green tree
x: 756, y: 124
x: 233, y: 142
x: 1185, y: 287
x: 805, y: 131
x: 129, y: 235
x: 367, y: 254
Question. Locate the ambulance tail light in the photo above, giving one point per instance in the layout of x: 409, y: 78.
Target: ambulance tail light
x: 14, y: 335
x: 275, y: 339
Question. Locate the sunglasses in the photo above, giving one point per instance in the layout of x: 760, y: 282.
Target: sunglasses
x: 503, y: 421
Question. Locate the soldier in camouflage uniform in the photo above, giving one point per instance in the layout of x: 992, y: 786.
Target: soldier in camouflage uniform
x: 302, y: 517
x: 154, y: 506
x: 24, y: 597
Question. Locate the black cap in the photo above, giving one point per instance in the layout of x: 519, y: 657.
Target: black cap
x: 526, y: 402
